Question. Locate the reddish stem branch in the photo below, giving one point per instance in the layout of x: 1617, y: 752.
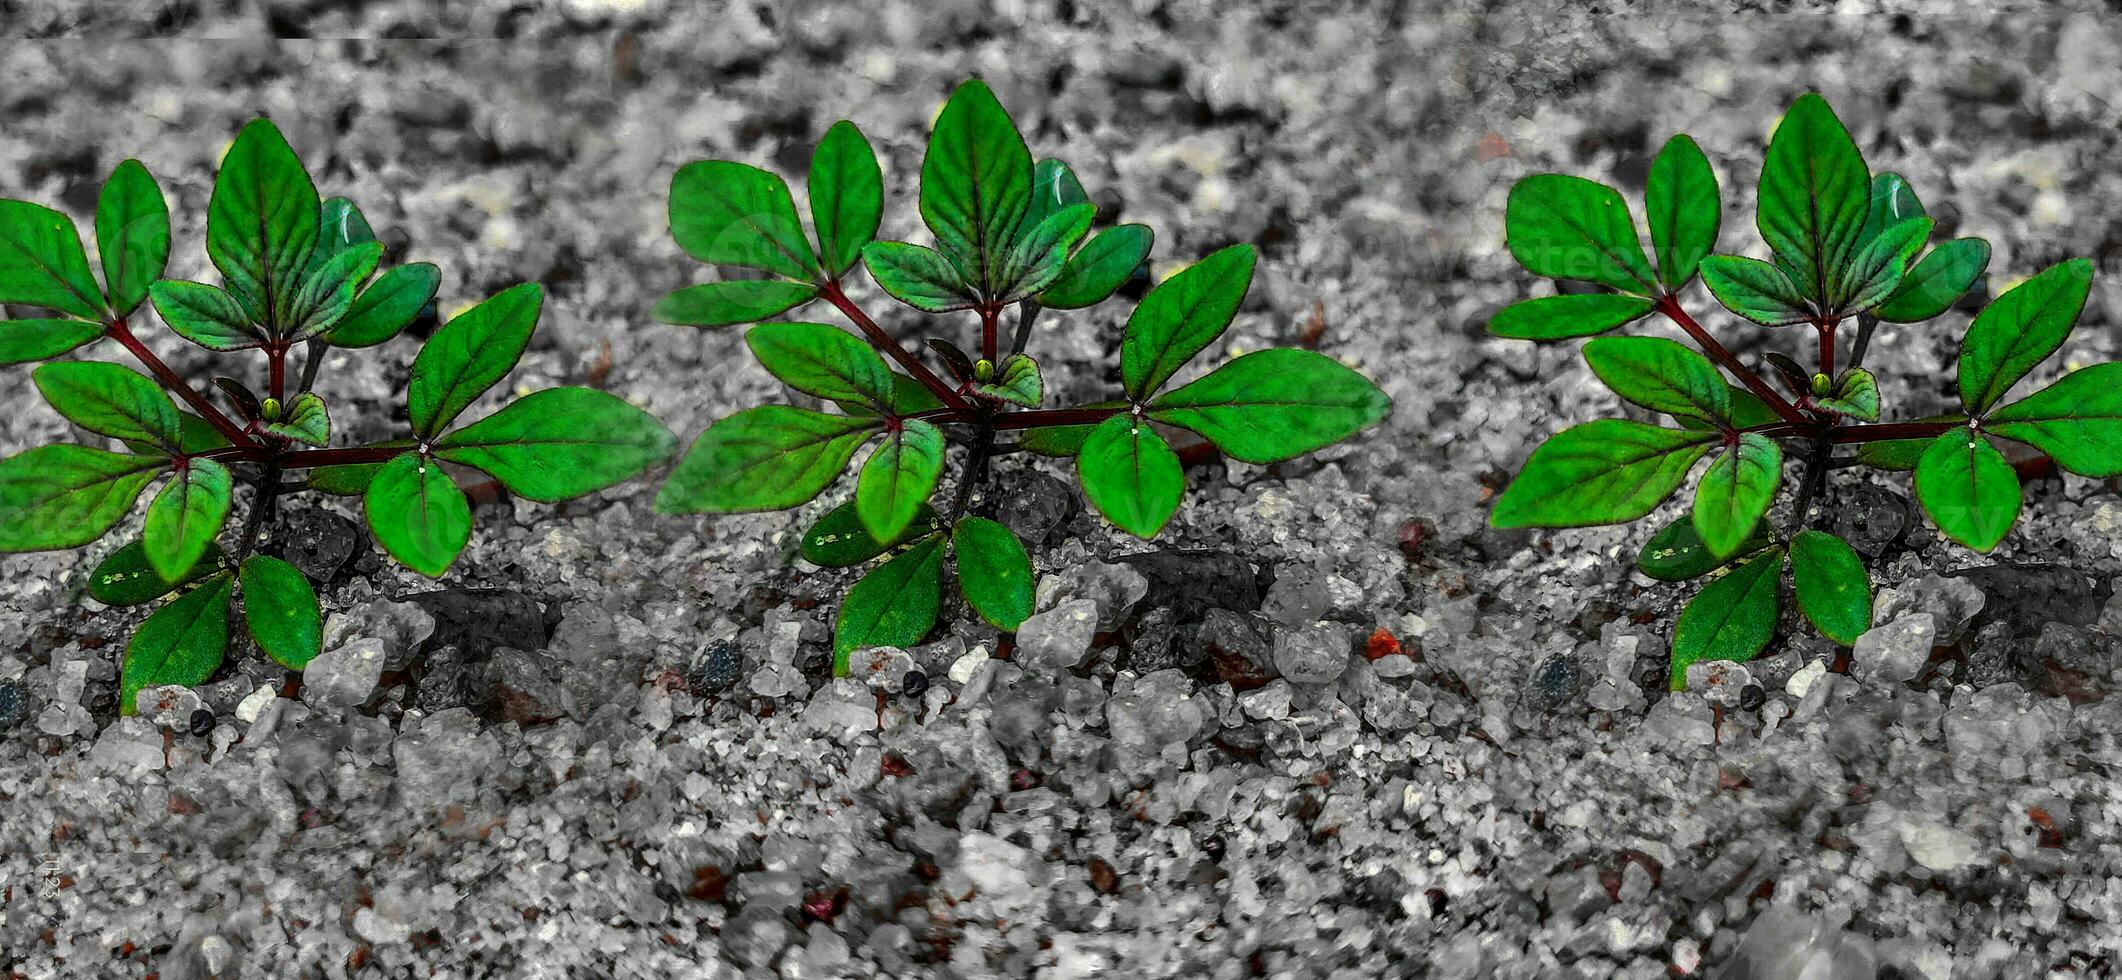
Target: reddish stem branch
x: 1844, y: 435
x: 276, y: 363
x: 990, y: 345
x: 118, y: 331
x: 342, y: 457
x: 884, y: 342
x: 1670, y: 306
x: 1827, y: 348
x: 1056, y: 416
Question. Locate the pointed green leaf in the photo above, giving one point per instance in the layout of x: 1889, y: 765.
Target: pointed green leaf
x: 1099, y: 268
x: 281, y: 609
x: 127, y: 578
x: 720, y: 304
x: 1815, y: 194
x: 894, y: 605
x: 64, y: 496
x: 1566, y: 227
x: 1732, y: 618
x: 132, y: 234
x: 1182, y: 315
x: 111, y: 400
x: 560, y: 443
x: 839, y: 540
x: 2019, y: 330
x: 1038, y: 255
x: 180, y: 643
x: 1736, y: 492
x: 1881, y: 264
x: 1756, y: 290
x: 387, y: 306
x: 1676, y: 553
x: 22, y: 341
x: 1684, y: 210
x: 1856, y: 395
x: 736, y: 214
x: 922, y: 278
x: 1892, y: 202
x: 1661, y: 375
x: 42, y: 264
x: 184, y: 518
x: 417, y: 514
x: 1275, y: 404
x: 768, y: 458
x: 1564, y: 317
x: 821, y: 360
x: 1610, y: 471
x: 976, y: 185
x: 1017, y: 381
x: 1054, y: 187
x: 1833, y: 589
x: 328, y: 293
x: 898, y: 478
x: 1968, y: 488
x: 204, y: 315
x: 340, y: 227
x: 468, y: 354
x: 1937, y: 282
x: 262, y: 222
x: 994, y: 572
x: 1131, y: 475
x: 2077, y: 421
x: 846, y: 196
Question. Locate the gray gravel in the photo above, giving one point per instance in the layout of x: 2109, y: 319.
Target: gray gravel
x: 1330, y: 726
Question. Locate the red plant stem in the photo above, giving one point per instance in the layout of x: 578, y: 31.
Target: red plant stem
x: 276, y: 363
x: 118, y: 331
x: 990, y: 347
x: 1670, y: 306
x: 1854, y: 434
x: 1827, y: 348
x: 1056, y: 416
x: 342, y: 457
x: 883, y: 341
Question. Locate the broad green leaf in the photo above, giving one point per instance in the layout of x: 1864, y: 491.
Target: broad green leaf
x: 387, y: 306
x: 839, y: 540
x: 1892, y: 202
x: 1676, y: 553
x: 824, y: 361
x: 846, y: 197
x: 417, y: 514
x: 194, y: 436
x: 306, y: 420
x: 1566, y: 227
x: 1748, y: 410
x: 65, y: 496
x: 1684, y: 209
x: 468, y: 354
x: 560, y: 443
x: 1880, y: 265
x: 720, y: 304
x: 1182, y: 315
x: 1037, y: 257
x: 204, y: 315
x: 2019, y: 330
x: 1856, y: 395
x: 1756, y: 290
x: 1563, y: 317
x: 1054, y: 187
x: 186, y: 515
x: 994, y: 572
x: 1131, y: 475
x: 1735, y: 493
x: 132, y: 234
x: 1732, y: 618
x: 768, y: 458
x: 327, y: 294
x: 42, y: 264
x: 1833, y: 589
x: 922, y: 278
x: 1017, y: 381
x: 1900, y: 454
x: 898, y: 478
x: 22, y: 341
x: 1610, y: 471
x: 281, y: 609
x: 909, y: 397
x: 1815, y: 194
x: 1968, y: 488
x: 976, y: 185
x: 1062, y: 441
x: 1661, y: 375
x: 1099, y: 268
x: 262, y: 222
x: 111, y: 400
x: 1937, y: 282
x: 736, y: 214
x: 180, y: 643
x: 2077, y: 421
x: 126, y: 578
x: 340, y: 226
x: 894, y: 605
x: 1275, y: 404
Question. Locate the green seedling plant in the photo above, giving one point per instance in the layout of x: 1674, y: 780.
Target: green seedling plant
x: 1850, y: 249
x: 299, y: 275
x: 1012, y: 236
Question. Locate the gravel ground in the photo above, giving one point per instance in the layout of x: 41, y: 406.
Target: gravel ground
x: 606, y: 744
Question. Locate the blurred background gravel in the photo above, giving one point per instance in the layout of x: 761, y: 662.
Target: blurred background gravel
x: 1330, y: 725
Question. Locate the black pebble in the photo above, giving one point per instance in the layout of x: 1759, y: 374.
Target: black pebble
x: 202, y: 722
x: 1751, y: 697
x: 1213, y: 847
x: 914, y: 684
x: 714, y: 670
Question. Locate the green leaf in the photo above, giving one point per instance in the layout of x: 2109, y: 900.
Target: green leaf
x: 468, y: 354
x: 1856, y: 395
x: 1833, y: 589
x: 204, y: 315
x: 768, y: 458
x: 2019, y: 330
x: 994, y: 572
x: 417, y: 514
x: 2077, y: 421
x: 1275, y: 404
x: 1037, y: 257
x: 1563, y: 317
x: 1131, y: 476
x: 186, y: 515
x: 306, y: 421
x: 846, y: 196
x: 1815, y: 195
x: 894, y: 605
x: 132, y: 234
x: 1732, y: 618
x: 1684, y: 209
x: 1054, y: 187
x: 1182, y: 315
x: 824, y: 361
x: 180, y: 643
x: 1900, y: 454
x: 1880, y: 265
x: 1099, y: 268
x: 111, y: 400
x: 1062, y: 441
x: 126, y: 578
x: 387, y: 306
x: 340, y: 227
x: 898, y: 478
x: 327, y: 294
x: 560, y: 443
x: 195, y: 436
x: 65, y: 496
x: 42, y: 264
x: 720, y: 304
x: 1748, y: 410
x: 22, y: 341
x: 1676, y: 553
x: 976, y: 185
x: 1754, y: 289
x: 1735, y: 493
x: 922, y: 278
x: 1610, y: 471
x: 736, y: 214
x: 1892, y: 202
x: 1017, y: 381
x: 262, y: 222
x: 1968, y: 488
x: 281, y: 609
x: 1661, y: 375
x: 839, y: 540
x: 1937, y: 282
x: 1566, y: 227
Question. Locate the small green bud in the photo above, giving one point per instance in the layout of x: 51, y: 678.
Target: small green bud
x: 984, y: 370
x: 271, y: 408
x: 1822, y: 384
